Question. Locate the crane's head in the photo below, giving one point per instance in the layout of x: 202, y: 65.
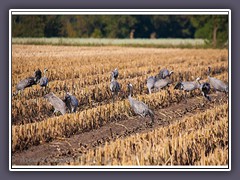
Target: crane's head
x: 198, y: 79
x: 130, y: 85
x: 178, y: 86
x: 171, y: 72
x: 130, y: 88
x: 67, y: 96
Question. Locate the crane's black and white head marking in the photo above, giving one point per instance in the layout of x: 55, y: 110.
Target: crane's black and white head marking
x: 130, y: 85
x: 67, y: 96
x: 198, y: 79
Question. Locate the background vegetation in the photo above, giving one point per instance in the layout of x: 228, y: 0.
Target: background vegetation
x: 212, y: 28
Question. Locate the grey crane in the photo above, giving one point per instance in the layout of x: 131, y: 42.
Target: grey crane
x: 188, y: 85
x: 139, y: 107
x: 44, y: 80
x: 164, y: 73
x: 217, y: 84
x: 28, y: 82
x: 161, y: 83
x: 115, y: 87
x: 205, y: 89
x: 71, y: 102
x: 115, y: 73
x: 150, y: 83
x: 56, y: 102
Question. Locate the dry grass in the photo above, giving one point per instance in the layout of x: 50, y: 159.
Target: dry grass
x: 198, y: 140
x: 85, y: 72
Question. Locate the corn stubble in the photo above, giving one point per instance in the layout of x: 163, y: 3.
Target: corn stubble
x: 85, y: 72
x: 198, y: 140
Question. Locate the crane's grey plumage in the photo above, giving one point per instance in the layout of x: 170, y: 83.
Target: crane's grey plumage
x: 28, y: 82
x: 44, y: 80
x: 161, y: 83
x: 188, y: 85
x: 150, y: 83
x: 71, y: 102
x: 217, y: 84
x: 114, y: 87
x: 56, y: 102
x: 139, y: 107
x: 115, y: 73
x: 164, y: 73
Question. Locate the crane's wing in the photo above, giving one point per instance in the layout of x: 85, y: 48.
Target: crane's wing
x: 58, y: 104
x: 160, y: 83
x: 25, y: 83
x: 188, y: 86
x: 139, y: 107
x: 217, y: 84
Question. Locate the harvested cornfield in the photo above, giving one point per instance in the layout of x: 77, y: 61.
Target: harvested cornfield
x: 188, y: 129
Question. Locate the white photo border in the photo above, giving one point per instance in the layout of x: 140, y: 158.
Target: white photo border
x: 119, y: 12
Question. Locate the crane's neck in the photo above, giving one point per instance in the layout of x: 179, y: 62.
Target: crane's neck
x: 113, y: 79
x: 45, y: 72
x: 130, y: 99
x: 130, y: 94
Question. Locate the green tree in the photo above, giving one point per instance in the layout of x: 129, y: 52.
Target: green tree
x: 214, y: 28
x: 27, y: 26
x: 53, y: 26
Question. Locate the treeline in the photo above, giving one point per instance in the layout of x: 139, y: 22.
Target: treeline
x: 211, y: 27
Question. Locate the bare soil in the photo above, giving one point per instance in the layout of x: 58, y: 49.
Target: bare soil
x: 64, y: 150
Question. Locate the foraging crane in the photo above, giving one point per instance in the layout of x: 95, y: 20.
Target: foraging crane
x: 217, y: 84
x: 139, y: 107
x: 44, y: 80
x: 164, y: 73
x: 150, y: 83
x: 161, y: 83
x: 56, y: 102
x: 28, y: 82
x: 188, y: 85
x: 71, y: 102
x: 205, y: 89
x: 114, y: 87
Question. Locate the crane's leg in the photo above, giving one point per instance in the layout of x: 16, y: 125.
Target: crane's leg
x: 149, y: 90
x: 54, y: 112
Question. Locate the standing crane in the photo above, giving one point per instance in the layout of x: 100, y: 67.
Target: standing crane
x: 164, y: 73
x: 217, y: 84
x: 114, y: 87
x: 28, y: 82
x: 71, y: 102
x: 56, y: 102
x: 44, y: 80
x: 139, y: 107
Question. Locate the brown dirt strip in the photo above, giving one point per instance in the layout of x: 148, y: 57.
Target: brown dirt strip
x: 64, y: 150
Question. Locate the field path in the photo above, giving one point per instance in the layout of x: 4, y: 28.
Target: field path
x: 66, y: 149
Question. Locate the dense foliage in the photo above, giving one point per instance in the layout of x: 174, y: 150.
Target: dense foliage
x: 214, y: 28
